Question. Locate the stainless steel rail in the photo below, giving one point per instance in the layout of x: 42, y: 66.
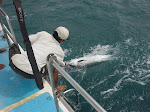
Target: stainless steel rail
x: 4, y: 31
x: 50, y: 72
x: 52, y: 59
x: 13, y: 37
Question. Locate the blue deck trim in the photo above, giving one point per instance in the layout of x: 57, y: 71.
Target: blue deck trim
x: 13, y: 88
x: 42, y: 103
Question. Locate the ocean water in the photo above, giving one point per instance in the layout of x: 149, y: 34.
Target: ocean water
x: 120, y: 28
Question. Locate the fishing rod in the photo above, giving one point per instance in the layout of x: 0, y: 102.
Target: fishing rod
x: 31, y: 57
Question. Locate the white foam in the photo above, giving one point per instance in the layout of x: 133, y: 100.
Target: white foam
x: 145, y: 77
x: 138, y: 82
x: 109, y: 90
x: 128, y: 41
x: 141, y: 98
x: 100, y: 50
x: 91, y: 87
x: 148, y: 60
x: 67, y: 52
x: 116, y: 86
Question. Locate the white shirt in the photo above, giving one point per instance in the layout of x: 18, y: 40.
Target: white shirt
x: 43, y: 44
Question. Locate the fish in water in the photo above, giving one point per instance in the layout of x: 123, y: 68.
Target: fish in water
x: 89, y: 60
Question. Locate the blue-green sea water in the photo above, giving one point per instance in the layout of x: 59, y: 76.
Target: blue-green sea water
x: 120, y: 28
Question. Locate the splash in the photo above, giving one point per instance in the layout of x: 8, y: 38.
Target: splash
x: 99, y: 50
x: 67, y: 52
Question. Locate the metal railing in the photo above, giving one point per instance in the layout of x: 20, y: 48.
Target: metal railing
x: 12, y: 34
x: 51, y: 62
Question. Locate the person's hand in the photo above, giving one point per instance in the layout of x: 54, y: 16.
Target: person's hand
x: 67, y: 64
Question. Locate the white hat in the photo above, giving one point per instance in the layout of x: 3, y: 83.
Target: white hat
x: 63, y: 33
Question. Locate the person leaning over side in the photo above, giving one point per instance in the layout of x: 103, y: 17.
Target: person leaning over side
x: 43, y: 44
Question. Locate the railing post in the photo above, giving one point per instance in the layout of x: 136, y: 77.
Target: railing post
x: 50, y: 72
x: 5, y: 35
x: 9, y: 24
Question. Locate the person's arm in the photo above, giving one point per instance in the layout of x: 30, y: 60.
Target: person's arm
x: 60, y: 61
